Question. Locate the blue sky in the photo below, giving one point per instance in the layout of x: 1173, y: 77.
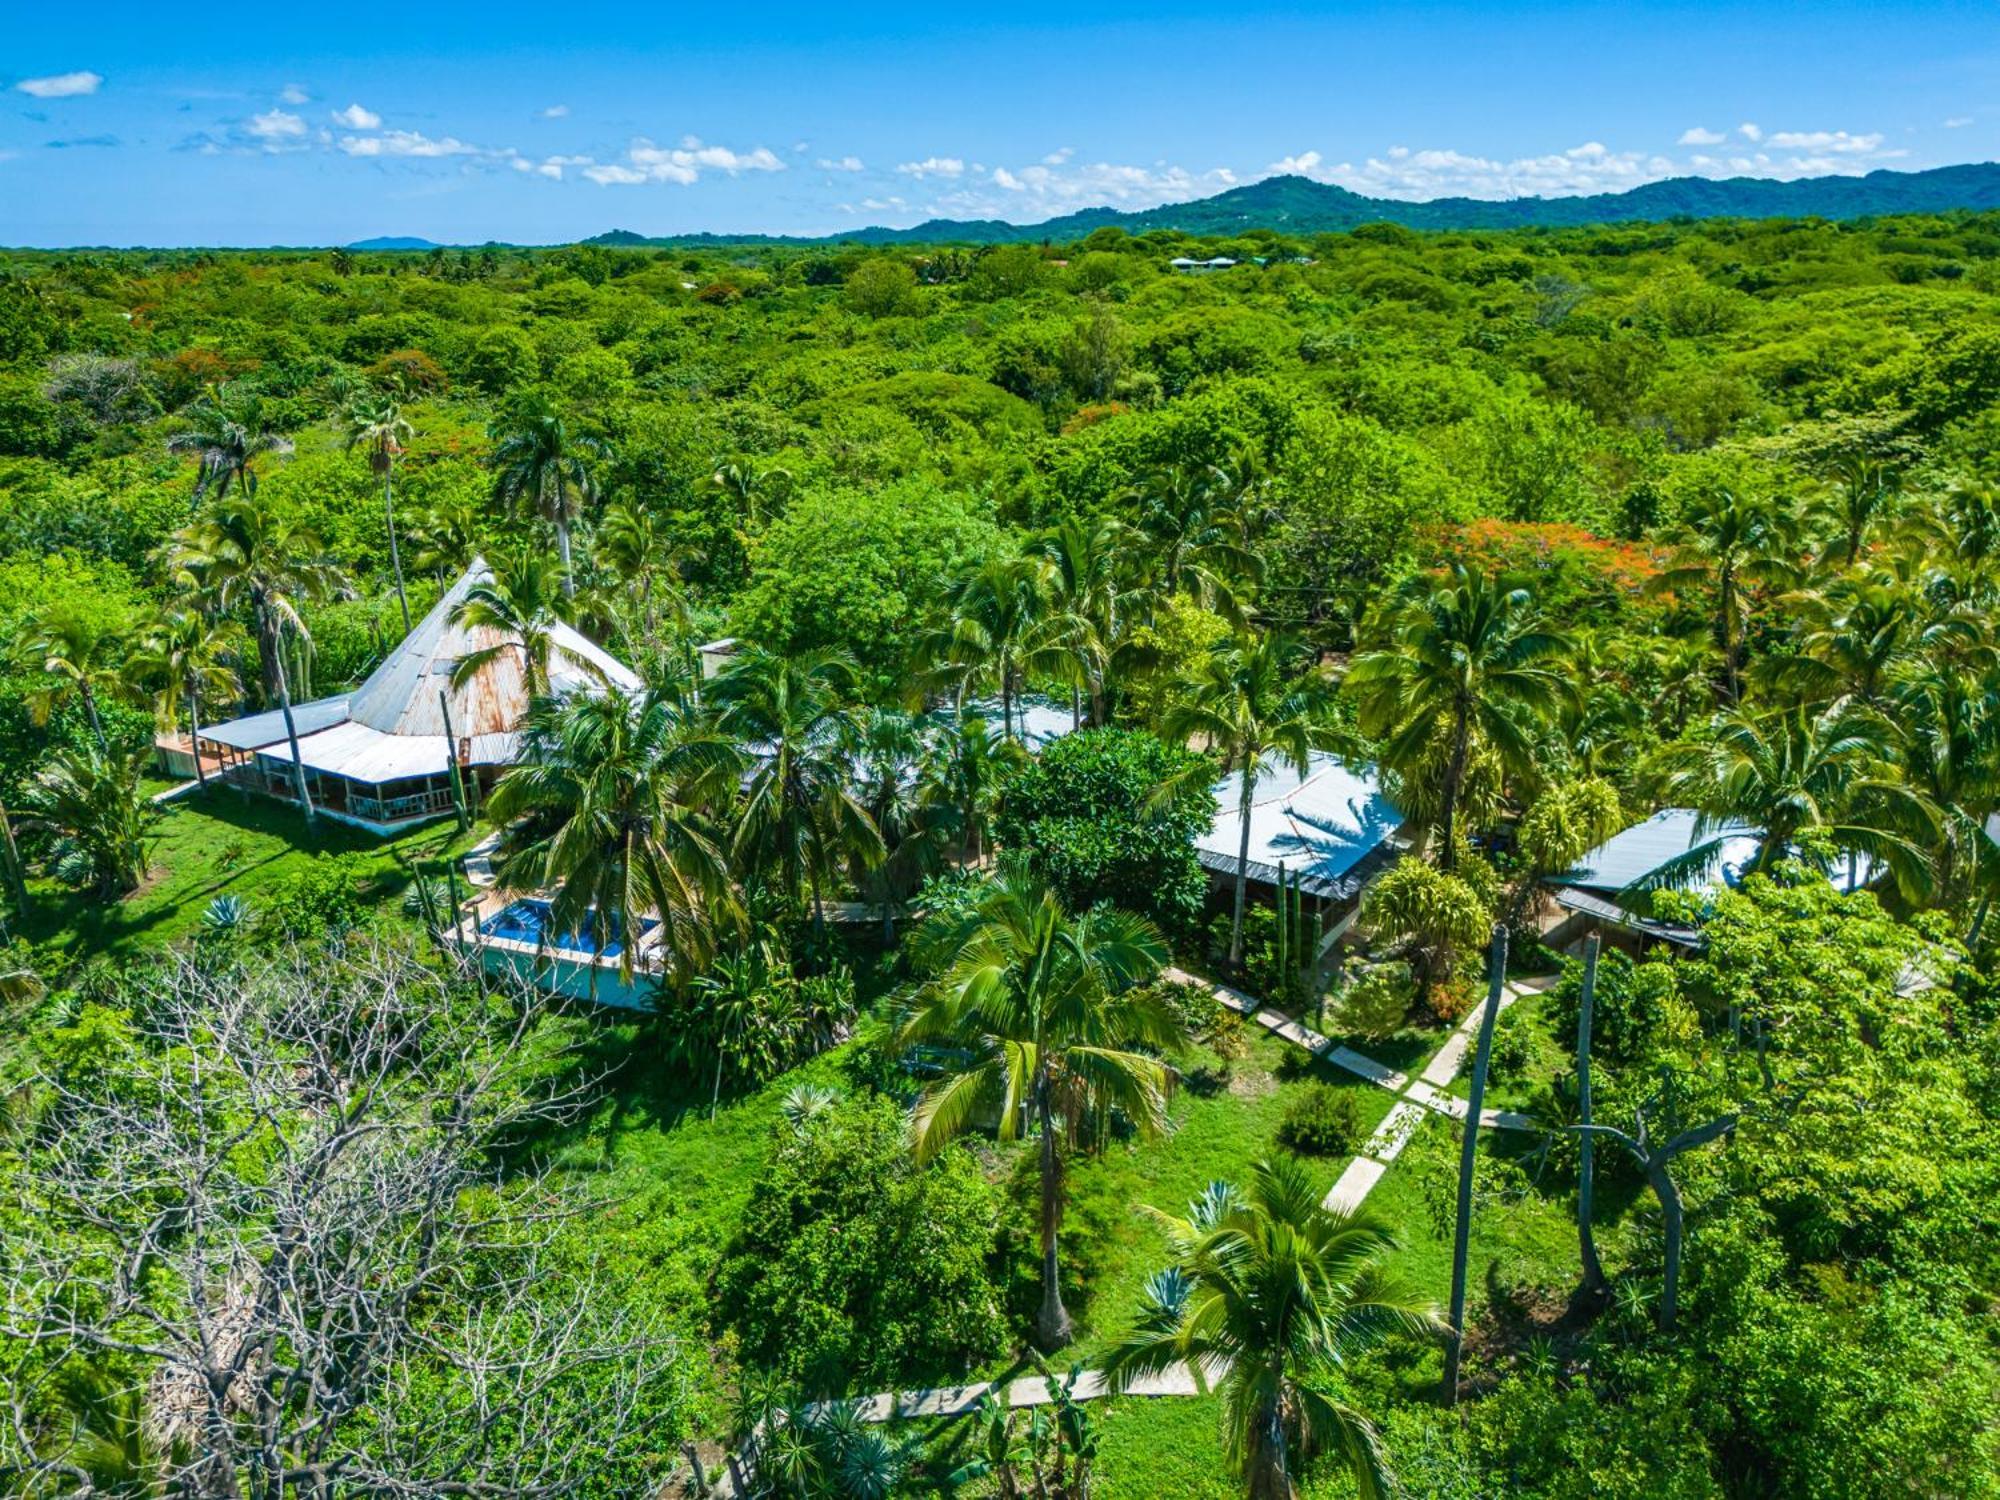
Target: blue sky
x: 298, y: 124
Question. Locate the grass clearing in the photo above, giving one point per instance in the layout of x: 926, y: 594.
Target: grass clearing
x: 208, y: 844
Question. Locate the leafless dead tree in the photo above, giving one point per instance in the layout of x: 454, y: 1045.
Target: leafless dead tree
x: 300, y: 1218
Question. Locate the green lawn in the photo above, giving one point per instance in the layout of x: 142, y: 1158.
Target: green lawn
x: 206, y: 845
x: 1217, y: 1133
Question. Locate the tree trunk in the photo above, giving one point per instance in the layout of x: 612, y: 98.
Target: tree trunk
x: 1670, y: 1222
x: 1454, y: 781
x: 1593, y: 1269
x: 569, y: 568
x: 1725, y: 630
x: 292, y: 737
x: 1468, y: 1152
x: 1242, y: 862
x: 90, y: 710
x: 1052, y: 1324
x: 395, y: 558
x: 194, y: 735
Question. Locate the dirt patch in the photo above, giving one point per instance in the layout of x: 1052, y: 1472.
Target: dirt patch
x: 1525, y: 1325
x: 1251, y: 1083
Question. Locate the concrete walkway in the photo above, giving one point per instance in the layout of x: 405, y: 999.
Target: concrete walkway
x: 1428, y: 1093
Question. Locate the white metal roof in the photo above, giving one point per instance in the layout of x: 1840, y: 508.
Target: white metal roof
x: 1628, y: 857
x: 1320, y: 826
x: 393, y: 726
x: 255, y: 731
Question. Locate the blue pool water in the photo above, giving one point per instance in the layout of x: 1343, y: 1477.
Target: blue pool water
x: 526, y: 920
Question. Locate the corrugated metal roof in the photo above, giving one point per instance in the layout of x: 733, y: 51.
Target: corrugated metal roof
x: 255, y: 731
x: 1321, y: 826
x: 1037, y: 721
x: 398, y: 703
x: 401, y: 696
x: 1628, y: 857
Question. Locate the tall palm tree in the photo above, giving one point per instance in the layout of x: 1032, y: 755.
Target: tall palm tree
x: 965, y: 765
x: 1270, y: 1295
x: 1248, y: 708
x: 540, y: 465
x: 522, y: 603
x: 640, y: 557
x: 612, y: 809
x: 1727, y: 541
x: 1860, y: 498
x: 1791, y: 773
x: 187, y: 655
x: 247, y: 550
x: 994, y: 632
x: 446, y: 535
x: 1045, y: 1026
x: 226, y: 432
x: 1951, y: 756
x: 1466, y: 663
x: 799, y: 816
x: 378, y: 427
x: 1851, y: 642
x: 889, y: 786
x: 1092, y: 606
x: 1193, y: 530
x: 754, y: 490
x: 79, y: 654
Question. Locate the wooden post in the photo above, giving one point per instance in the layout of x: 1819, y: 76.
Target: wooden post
x: 1467, y: 1156
x: 1593, y: 1269
x: 1282, y: 942
x: 451, y: 759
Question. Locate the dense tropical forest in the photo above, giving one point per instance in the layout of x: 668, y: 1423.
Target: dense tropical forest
x: 1553, y: 528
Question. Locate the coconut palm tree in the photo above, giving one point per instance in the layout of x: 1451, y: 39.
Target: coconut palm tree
x: 91, y: 798
x: 1862, y: 493
x: 1466, y: 664
x: 1950, y: 727
x: 1727, y: 541
x: 890, y: 788
x: 994, y: 632
x: 965, y: 765
x: 1092, y: 606
x: 1193, y: 544
x: 1043, y: 1028
x: 523, y: 603
x: 1270, y: 1296
x: 78, y: 654
x: 1248, y: 708
x: 188, y: 655
x: 612, y: 810
x: 753, y: 490
x: 1792, y: 773
x: 446, y: 535
x: 247, y: 550
x: 226, y: 432
x: 540, y: 465
x: 378, y: 427
x: 799, y: 818
x: 640, y: 557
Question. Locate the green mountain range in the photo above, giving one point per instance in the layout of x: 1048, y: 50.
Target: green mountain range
x: 1298, y: 205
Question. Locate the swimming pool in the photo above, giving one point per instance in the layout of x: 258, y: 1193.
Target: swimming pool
x: 527, y: 920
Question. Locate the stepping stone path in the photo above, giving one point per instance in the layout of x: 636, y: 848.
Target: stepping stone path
x: 1428, y: 1093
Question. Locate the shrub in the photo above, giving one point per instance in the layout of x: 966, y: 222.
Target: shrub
x: 1322, y: 1121
x: 1376, y: 1001
x: 1080, y: 815
x: 856, y: 1267
x: 319, y: 902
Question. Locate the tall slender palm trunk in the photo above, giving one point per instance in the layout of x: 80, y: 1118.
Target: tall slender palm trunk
x: 1052, y: 1323
x: 267, y: 627
x: 395, y: 557
x: 194, y: 733
x: 1242, y: 862
x: 1593, y: 1269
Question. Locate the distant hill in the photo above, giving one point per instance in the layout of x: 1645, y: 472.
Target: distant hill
x: 394, y: 242
x: 1299, y: 205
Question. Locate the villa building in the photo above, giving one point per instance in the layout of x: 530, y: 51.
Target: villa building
x: 381, y: 757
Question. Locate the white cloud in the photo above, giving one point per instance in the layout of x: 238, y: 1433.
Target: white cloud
x: 1701, y: 135
x: 354, y: 117
x: 1824, y: 140
x: 551, y: 167
x: 61, y: 85
x: 839, y: 163
x: 277, y: 130
x: 933, y: 166
x: 1749, y: 132
x: 294, y: 93
x: 1297, y: 164
x: 1958, y: 122
x: 405, y: 143
x: 682, y: 164
x: 1058, y: 157
x: 1048, y: 190
x: 555, y: 111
